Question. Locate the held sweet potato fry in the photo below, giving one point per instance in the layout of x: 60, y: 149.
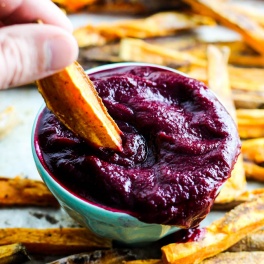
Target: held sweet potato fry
x: 55, y: 241
x: 71, y: 96
x: 218, y: 81
x: 108, y: 256
x: 220, y: 235
x: 223, y: 12
x: 25, y: 192
x: 254, y: 171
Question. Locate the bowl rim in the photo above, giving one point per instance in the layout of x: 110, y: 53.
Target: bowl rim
x: 47, y: 174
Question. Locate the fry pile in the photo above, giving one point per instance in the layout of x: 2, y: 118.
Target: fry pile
x: 233, y: 69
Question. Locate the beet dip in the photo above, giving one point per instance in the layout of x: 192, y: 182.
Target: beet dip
x: 179, y: 147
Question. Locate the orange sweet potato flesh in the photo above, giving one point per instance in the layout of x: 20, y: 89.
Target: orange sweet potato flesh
x: 71, y: 96
x: 220, y: 235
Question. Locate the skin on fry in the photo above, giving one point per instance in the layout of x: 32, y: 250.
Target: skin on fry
x: 253, y: 149
x: 71, y: 96
x: 54, y: 241
x: 220, y: 235
x: 25, y: 192
x: 246, y: 196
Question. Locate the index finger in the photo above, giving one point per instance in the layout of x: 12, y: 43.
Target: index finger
x: 29, y: 11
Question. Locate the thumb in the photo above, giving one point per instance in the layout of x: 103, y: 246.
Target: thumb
x: 30, y: 52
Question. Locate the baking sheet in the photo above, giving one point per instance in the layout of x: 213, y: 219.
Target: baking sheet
x: 15, y: 148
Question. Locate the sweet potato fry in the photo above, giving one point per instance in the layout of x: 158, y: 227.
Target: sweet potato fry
x: 14, y: 253
x: 218, y: 81
x: 246, y: 196
x: 220, y: 235
x: 70, y: 94
x: 139, y: 50
x: 109, y: 256
x: 253, y: 149
x: 223, y: 12
x: 157, y: 25
x: 236, y: 257
x: 54, y: 240
x: 252, y: 242
x: 25, y: 192
x: 254, y: 171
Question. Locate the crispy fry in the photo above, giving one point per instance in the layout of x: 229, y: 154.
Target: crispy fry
x: 253, y: 150
x: 79, y: 107
x: 218, y: 81
x: 109, y: 256
x: 236, y: 257
x: 14, y: 253
x: 252, y: 242
x: 157, y: 25
x: 54, y: 240
x: 220, y: 235
x: 224, y: 13
x: 139, y: 50
x: 25, y: 192
x: 254, y: 171
x: 246, y: 196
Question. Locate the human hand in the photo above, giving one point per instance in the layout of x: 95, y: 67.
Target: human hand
x: 30, y: 51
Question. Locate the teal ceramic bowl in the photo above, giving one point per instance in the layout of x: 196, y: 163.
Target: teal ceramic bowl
x: 117, y: 226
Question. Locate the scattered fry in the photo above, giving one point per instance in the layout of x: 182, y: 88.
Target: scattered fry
x: 109, y: 256
x: 220, y: 235
x: 53, y: 241
x: 25, y: 192
x: 138, y: 50
x: 218, y: 81
x: 223, y: 12
x: 157, y: 25
x: 236, y: 257
x: 14, y: 253
x: 79, y: 107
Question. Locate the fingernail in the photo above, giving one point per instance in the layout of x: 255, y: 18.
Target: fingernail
x: 60, y: 52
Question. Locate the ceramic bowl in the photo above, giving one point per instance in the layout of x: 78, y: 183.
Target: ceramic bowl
x: 117, y: 226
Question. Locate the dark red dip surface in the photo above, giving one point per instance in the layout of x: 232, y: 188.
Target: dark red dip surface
x: 179, y: 147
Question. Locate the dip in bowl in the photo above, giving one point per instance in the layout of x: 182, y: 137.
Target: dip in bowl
x: 179, y: 147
